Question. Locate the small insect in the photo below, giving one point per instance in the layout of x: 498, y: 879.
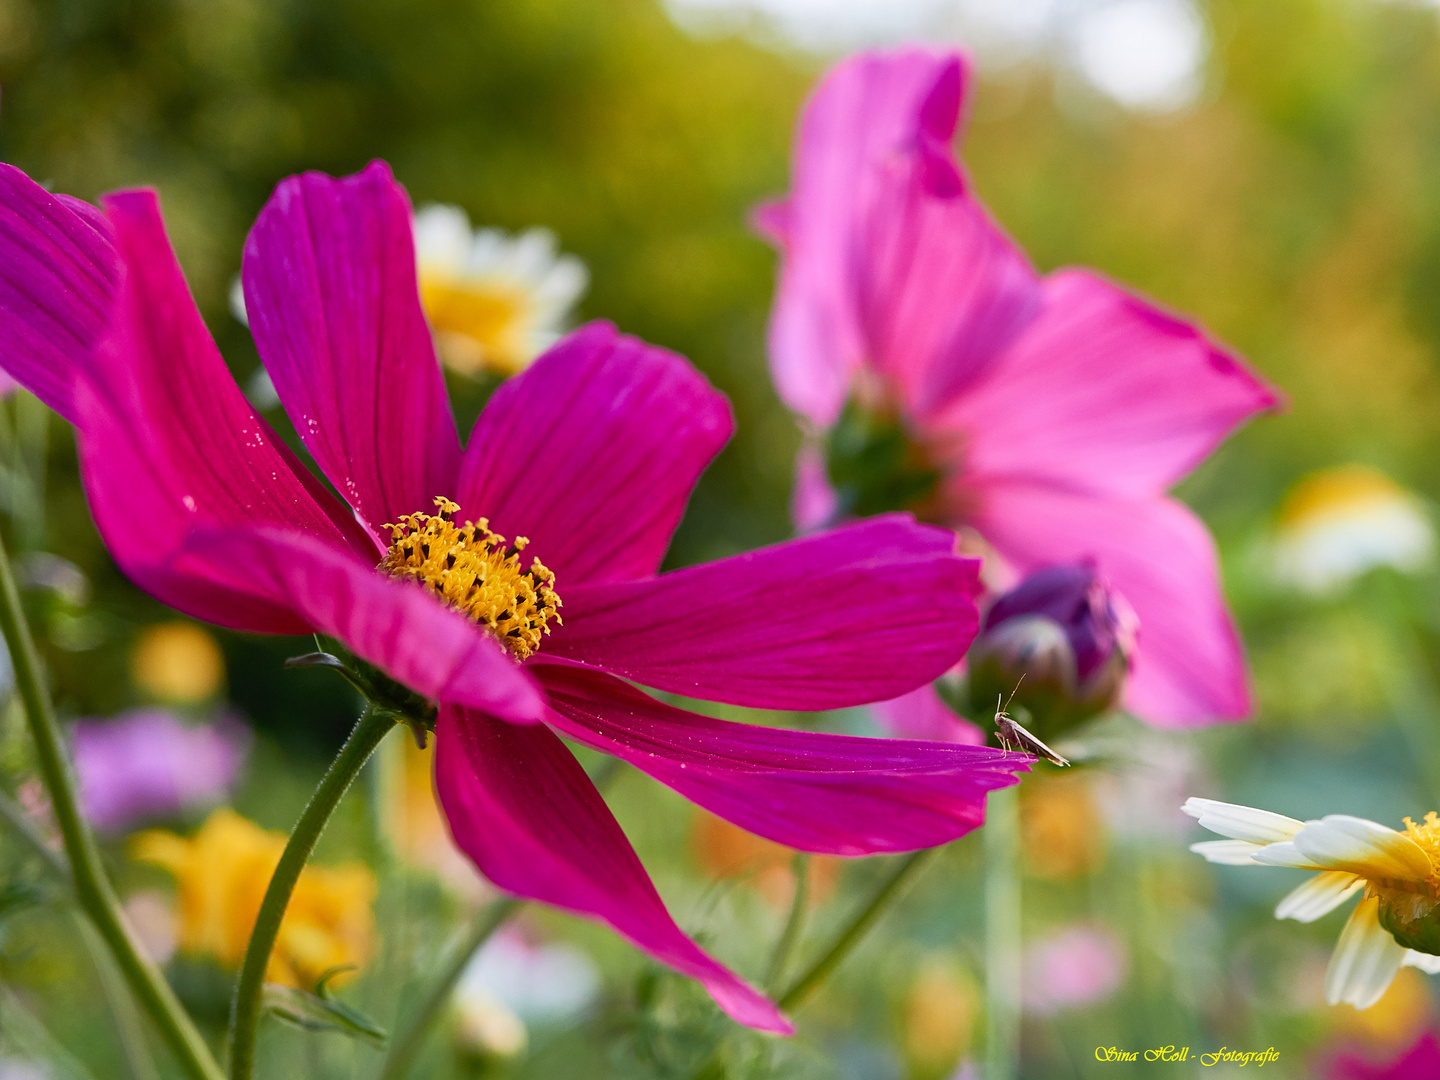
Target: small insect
x: 1013, y: 736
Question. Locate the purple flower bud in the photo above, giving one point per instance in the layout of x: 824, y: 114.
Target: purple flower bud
x: 1062, y: 640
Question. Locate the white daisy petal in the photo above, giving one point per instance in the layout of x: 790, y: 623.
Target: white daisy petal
x: 1367, y: 848
x: 1424, y: 961
x: 1285, y: 854
x: 1319, y: 896
x: 1227, y: 852
x: 1365, y: 961
x: 442, y: 238
x: 1242, y: 822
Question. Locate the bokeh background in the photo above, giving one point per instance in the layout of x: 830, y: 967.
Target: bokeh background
x: 1271, y: 167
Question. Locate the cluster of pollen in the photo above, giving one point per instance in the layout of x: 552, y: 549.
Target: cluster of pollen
x: 475, y: 572
x: 1427, y: 838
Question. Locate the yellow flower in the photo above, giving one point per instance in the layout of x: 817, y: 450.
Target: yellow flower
x: 939, y: 1017
x: 178, y: 662
x: 1061, y: 833
x: 1397, y: 922
x: 222, y: 872
x: 413, y: 825
x: 1338, y: 523
x: 494, y: 301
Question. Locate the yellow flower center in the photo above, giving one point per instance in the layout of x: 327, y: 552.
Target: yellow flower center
x: 1427, y: 839
x: 479, y: 324
x: 472, y: 570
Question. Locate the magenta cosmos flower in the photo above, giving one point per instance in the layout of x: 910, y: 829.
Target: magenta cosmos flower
x: 1049, y: 415
x: 591, y: 454
x: 1420, y: 1062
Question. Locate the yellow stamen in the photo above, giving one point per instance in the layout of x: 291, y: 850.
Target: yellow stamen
x: 472, y: 570
x: 1427, y: 838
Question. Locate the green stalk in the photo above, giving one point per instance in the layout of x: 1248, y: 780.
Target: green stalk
x: 785, y: 944
x: 407, y: 1046
x: 92, y: 887
x: 1002, y: 935
x: 122, y: 1007
x: 858, y: 927
x: 374, y: 724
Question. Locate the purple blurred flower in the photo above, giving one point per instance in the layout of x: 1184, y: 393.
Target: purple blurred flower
x: 1420, y: 1062
x: 147, y: 764
x: 1062, y: 640
x: 1079, y: 966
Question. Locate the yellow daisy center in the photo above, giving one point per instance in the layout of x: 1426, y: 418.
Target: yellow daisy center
x: 479, y: 324
x: 1427, y: 839
x: 474, y: 571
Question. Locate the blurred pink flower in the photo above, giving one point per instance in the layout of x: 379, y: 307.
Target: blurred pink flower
x: 1051, y: 414
x: 1420, y: 1062
x: 1079, y: 966
x: 591, y: 453
x: 147, y: 764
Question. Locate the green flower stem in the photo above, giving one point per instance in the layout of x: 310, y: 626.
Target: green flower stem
x: 407, y: 1045
x: 794, y: 923
x: 92, y: 887
x: 1002, y: 935
x: 858, y: 927
x: 374, y: 724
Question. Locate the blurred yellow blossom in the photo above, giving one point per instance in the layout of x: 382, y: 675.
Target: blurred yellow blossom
x: 177, y: 662
x: 221, y: 874
x: 494, y: 301
x: 939, y: 1016
x: 1395, y: 1020
x: 1337, y: 523
x: 413, y: 825
x: 1061, y: 831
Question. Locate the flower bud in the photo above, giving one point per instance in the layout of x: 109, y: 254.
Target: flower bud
x: 1061, y: 641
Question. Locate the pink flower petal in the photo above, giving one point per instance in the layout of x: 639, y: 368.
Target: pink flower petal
x: 592, y: 453
x: 331, y: 292
x: 921, y: 714
x: 58, y: 275
x: 942, y: 290
x: 889, y: 259
x: 522, y: 808
x: 814, y: 503
x: 835, y: 794
x: 396, y: 626
x: 1421, y: 1061
x: 1190, y: 668
x: 841, y: 618
x: 1105, y: 392
x: 167, y: 442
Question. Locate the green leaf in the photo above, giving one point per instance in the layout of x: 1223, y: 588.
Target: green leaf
x: 320, y: 1012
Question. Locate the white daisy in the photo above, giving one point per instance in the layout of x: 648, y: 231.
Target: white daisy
x: 1395, y: 925
x: 1338, y: 523
x: 494, y: 301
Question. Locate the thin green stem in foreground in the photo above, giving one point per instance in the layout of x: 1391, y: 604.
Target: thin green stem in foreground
x: 856, y: 929
x: 374, y: 724
x: 1002, y: 935
x: 92, y: 887
x: 785, y: 943
x: 408, y: 1044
